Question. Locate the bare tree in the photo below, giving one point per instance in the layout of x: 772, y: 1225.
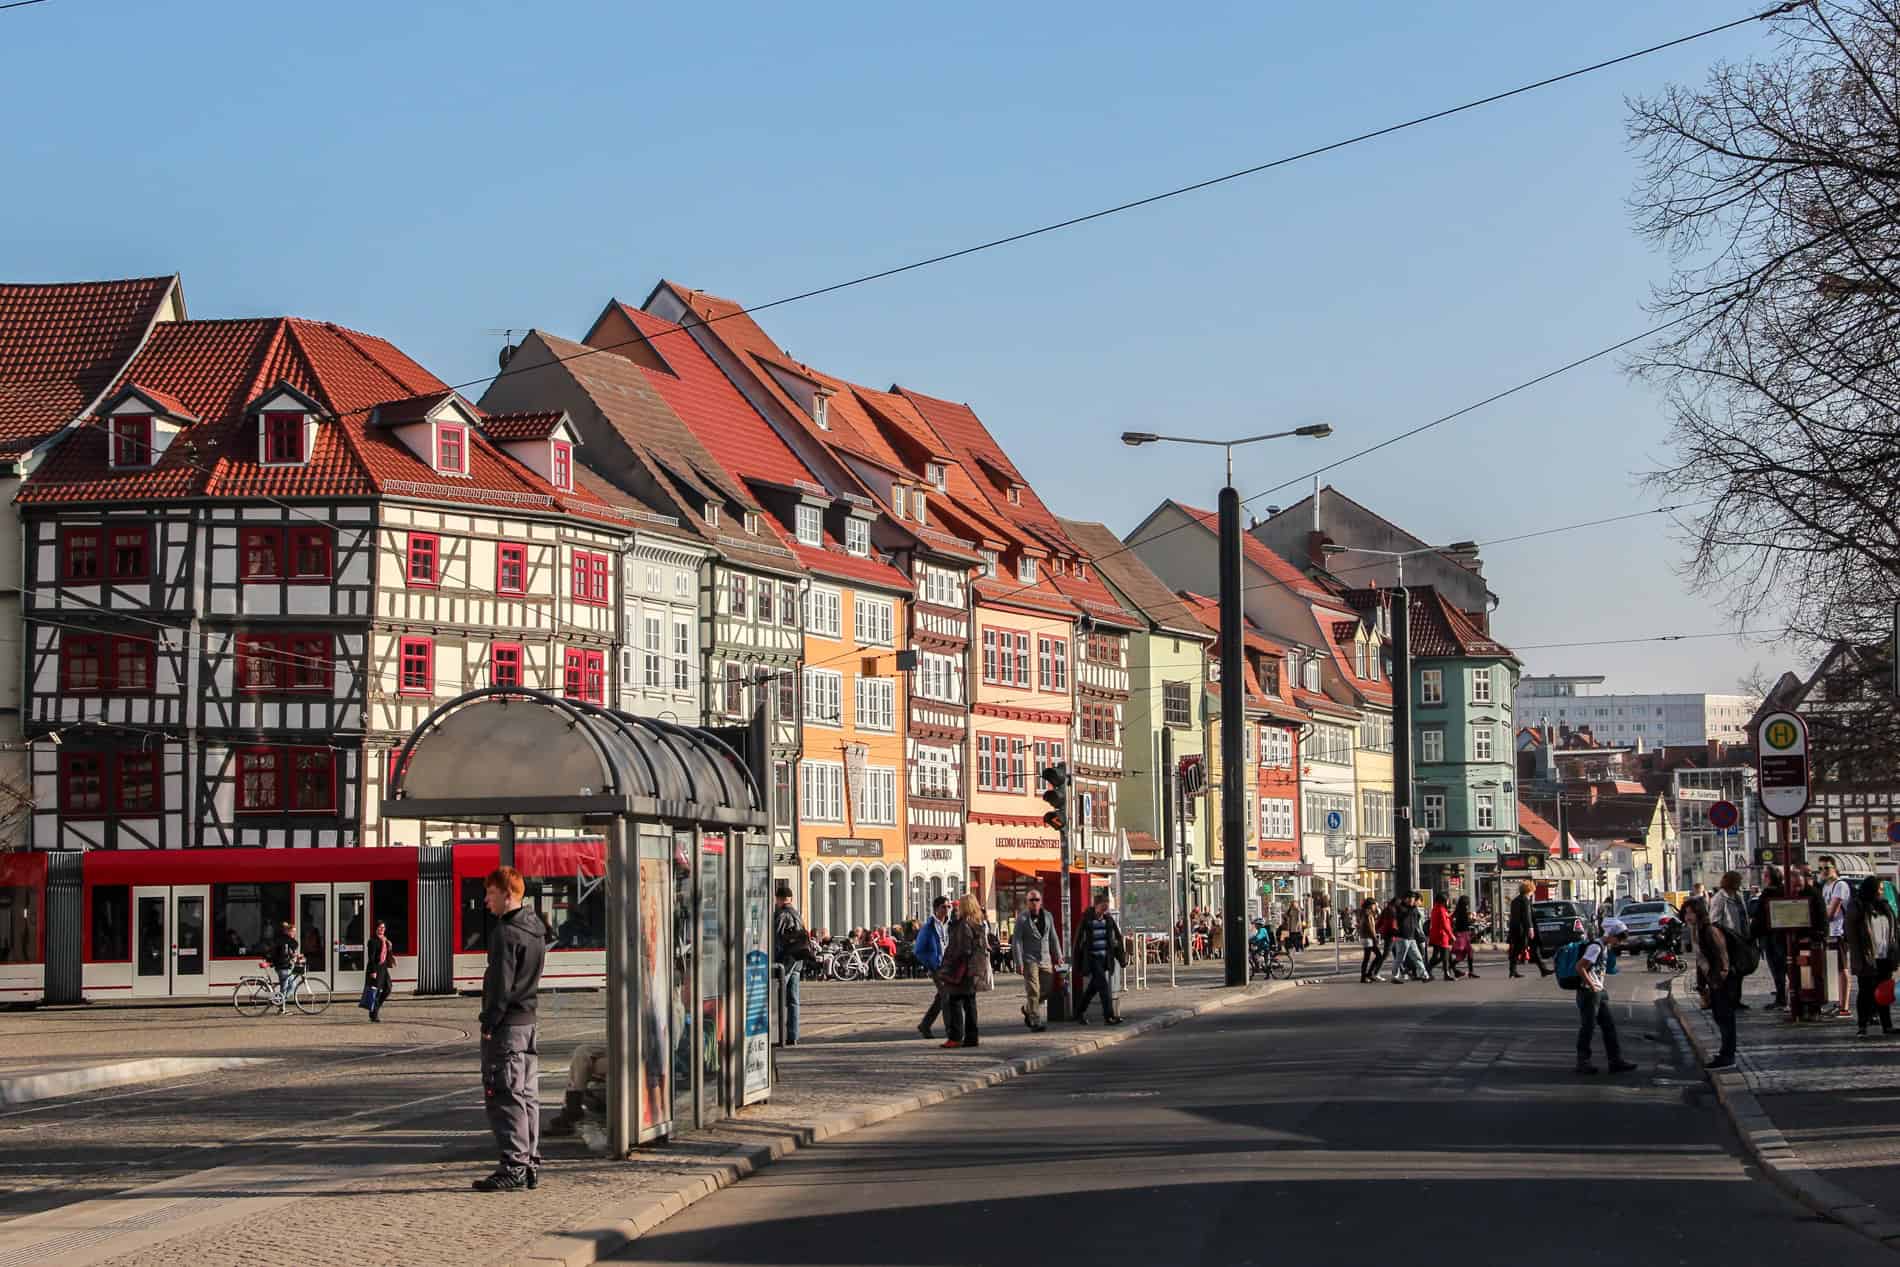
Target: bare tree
x: 1775, y: 186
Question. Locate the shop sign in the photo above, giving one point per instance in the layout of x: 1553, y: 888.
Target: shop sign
x: 1029, y: 842
x: 936, y: 853
x: 849, y: 847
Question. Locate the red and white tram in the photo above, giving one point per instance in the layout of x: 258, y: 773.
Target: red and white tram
x: 166, y: 924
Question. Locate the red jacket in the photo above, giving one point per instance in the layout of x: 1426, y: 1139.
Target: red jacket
x: 1438, y: 933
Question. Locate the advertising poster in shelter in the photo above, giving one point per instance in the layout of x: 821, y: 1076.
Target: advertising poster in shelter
x: 757, y: 1055
x: 654, y: 1004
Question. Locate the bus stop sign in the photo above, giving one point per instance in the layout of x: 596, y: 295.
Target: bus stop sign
x: 1782, y: 763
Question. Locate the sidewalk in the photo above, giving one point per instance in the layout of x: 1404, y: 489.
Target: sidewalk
x: 1817, y: 1107
x: 389, y: 1183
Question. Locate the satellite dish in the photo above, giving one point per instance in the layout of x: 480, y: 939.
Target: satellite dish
x: 507, y: 354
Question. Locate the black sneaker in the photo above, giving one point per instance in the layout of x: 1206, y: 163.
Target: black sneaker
x: 504, y: 1180
x: 1080, y: 1019
x: 1616, y: 1066
x: 1584, y: 1066
x: 1721, y: 1062
x: 534, y: 1178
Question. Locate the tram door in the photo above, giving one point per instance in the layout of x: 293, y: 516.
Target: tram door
x: 331, y: 930
x: 169, y: 939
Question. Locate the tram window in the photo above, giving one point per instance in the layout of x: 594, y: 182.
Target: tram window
x: 389, y: 902
x: 475, y: 918
x: 244, y: 917
x: 575, y: 907
x: 19, y: 935
x: 111, y: 923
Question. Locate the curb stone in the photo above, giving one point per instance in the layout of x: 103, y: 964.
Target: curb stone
x: 26, y: 1088
x: 1772, y: 1152
x: 626, y: 1221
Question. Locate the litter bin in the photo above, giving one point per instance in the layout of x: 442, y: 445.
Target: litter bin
x: 1056, y: 990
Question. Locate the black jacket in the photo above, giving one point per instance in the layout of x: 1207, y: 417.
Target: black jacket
x: 375, y: 964
x: 1523, y: 921
x: 1084, y: 948
x: 1411, y: 923
x: 511, y: 987
x: 283, y: 950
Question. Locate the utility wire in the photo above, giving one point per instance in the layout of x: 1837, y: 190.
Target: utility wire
x: 20, y: 4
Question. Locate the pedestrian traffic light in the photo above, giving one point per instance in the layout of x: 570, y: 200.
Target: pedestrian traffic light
x: 1055, y: 795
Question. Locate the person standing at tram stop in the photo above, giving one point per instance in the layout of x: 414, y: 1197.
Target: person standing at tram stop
x: 379, y: 957
x: 791, y: 947
x: 511, y: 1065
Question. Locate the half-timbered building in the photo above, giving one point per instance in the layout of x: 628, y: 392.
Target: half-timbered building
x: 63, y: 347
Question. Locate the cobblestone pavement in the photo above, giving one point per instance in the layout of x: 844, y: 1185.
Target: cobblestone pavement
x: 1833, y: 1096
x: 358, y: 1147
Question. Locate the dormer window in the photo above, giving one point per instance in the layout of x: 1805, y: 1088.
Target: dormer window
x: 808, y: 525
x: 283, y: 439
x: 1026, y: 570
x: 131, y: 436
x: 821, y: 412
x: 899, y: 494
x: 1015, y: 494
x: 989, y: 563
x: 935, y: 473
x: 712, y: 514
x: 923, y: 511
x: 752, y: 522
x: 451, y: 449
x: 563, y: 467
x: 857, y: 537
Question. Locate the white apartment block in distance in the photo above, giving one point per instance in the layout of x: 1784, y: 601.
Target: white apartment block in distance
x: 1629, y: 720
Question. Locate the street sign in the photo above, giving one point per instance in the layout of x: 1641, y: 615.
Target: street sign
x: 1145, y: 897
x: 1378, y: 855
x: 1782, y: 763
x: 1338, y: 845
x: 1723, y: 815
x: 1334, y: 820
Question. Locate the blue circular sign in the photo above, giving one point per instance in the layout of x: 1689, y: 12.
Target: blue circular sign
x: 1723, y: 815
x: 1334, y: 820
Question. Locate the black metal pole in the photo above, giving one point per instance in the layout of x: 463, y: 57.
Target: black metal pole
x: 506, y: 835
x: 1233, y: 756
x: 1404, y: 864
x: 1164, y: 791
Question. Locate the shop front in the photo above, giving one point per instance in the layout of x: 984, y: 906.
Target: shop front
x: 935, y: 871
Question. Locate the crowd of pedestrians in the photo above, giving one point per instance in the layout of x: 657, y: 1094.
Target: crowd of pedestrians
x: 1403, y: 931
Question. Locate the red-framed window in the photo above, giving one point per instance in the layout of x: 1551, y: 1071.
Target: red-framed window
x: 1020, y: 660
x: 137, y: 787
x: 504, y: 664
x: 312, y: 553
x: 425, y: 558
x: 991, y: 659
x: 84, y: 786
x: 79, y: 555
x: 279, y: 780
x: 451, y: 456
x: 416, y: 661
x: 131, y: 439
x: 284, y: 438
x: 285, y: 662
x: 511, y: 568
x: 1052, y: 664
x: 99, y: 664
x: 563, y: 465
x: 584, y: 676
x: 129, y: 553
x: 260, y: 553
x: 589, y: 578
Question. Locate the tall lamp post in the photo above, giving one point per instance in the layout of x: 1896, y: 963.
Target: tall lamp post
x: 1404, y: 861
x: 1233, y: 752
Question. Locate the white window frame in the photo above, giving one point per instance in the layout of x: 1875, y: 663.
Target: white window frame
x: 1431, y: 686
x: 824, y: 612
x: 682, y: 653
x: 990, y: 561
x: 873, y: 621
x: 1431, y: 745
x: 808, y: 525
x: 1481, y: 685
x: 876, y: 704
x: 1276, y: 747
x: 935, y: 772
x: 821, y: 791
x: 1432, y: 811
x: 1026, y: 570
x: 880, y: 797
x: 824, y: 697
x: 1484, y: 812
x: 1276, y: 818
x: 857, y: 537
x: 653, y: 673
x: 1483, y: 743
x: 898, y: 493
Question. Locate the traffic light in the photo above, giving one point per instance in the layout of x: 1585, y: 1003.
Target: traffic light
x: 1055, y: 794
x: 1603, y: 876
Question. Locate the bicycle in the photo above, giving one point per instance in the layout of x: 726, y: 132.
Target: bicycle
x: 1269, y: 961
x: 254, y: 995
x: 855, y: 963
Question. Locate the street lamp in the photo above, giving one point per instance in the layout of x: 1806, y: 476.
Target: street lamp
x: 1233, y: 801
x: 1404, y: 863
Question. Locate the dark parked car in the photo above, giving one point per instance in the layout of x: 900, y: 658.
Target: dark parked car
x: 1558, y: 924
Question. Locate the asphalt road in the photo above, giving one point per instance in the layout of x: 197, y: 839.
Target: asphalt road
x: 1426, y: 1124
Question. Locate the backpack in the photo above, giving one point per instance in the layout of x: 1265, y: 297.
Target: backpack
x: 1743, y: 957
x: 1567, y: 962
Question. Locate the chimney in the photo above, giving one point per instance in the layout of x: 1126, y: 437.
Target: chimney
x: 1315, y: 548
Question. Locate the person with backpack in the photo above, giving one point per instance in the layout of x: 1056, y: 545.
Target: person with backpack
x: 1098, y: 948
x: 1868, y: 932
x: 1038, y: 954
x: 1716, y: 964
x: 791, y: 950
x: 1586, y: 967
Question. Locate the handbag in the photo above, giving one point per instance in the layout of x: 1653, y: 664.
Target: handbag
x: 1883, y: 993
x: 368, y: 1001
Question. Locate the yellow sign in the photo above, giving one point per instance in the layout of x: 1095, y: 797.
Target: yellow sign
x: 1780, y: 734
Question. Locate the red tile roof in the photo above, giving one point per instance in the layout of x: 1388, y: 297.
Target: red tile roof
x: 533, y: 425
x: 213, y: 369
x: 1260, y: 555
x: 170, y: 404
x: 1540, y: 829
x: 63, y: 344
x: 1441, y: 629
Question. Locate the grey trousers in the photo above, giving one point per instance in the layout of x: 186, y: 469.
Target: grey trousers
x: 511, y: 1082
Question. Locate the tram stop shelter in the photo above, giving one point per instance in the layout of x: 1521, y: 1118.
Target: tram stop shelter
x: 688, y: 876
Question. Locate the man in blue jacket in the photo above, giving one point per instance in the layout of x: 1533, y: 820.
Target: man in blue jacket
x: 928, y: 951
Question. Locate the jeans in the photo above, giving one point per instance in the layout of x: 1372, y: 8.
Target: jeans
x: 1722, y: 1001
x: 935, y: 1009
x: 788, y: 1027
x: 1370, y: 961
x: 1098, y: 980
x: 1406, y: 958
x: 959, y: 1018
x: 286, y: 980
x: 1593, y: 1011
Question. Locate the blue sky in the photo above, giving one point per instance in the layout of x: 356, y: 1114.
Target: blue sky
x: 431, y: 171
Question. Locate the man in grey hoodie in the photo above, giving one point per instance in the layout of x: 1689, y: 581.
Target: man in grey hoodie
x: 1038, y: 950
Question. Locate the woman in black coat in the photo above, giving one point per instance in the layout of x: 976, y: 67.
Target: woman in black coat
x: 379, y: 956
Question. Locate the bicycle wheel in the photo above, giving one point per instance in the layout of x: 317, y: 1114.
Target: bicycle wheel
x: 885, y: 965
x: 850, y: 968
x: 252, y: 997
x: 312, y: 995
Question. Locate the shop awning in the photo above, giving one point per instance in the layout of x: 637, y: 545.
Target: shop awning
x: 1034, y: 866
